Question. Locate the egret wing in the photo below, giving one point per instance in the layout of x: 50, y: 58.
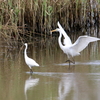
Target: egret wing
x: 67, y: 40
x: 31, y: 62
x: 82, y: 42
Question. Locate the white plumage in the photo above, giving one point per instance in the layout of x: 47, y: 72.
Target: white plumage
x: 66, y: 41
x: 30, y: 62
x: 73, y: 49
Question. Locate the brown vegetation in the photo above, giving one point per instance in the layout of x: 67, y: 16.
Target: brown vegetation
x: 25, y: 18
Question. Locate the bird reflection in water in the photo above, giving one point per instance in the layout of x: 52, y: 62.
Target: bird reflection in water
x: 30, y: 83
x: 65, y: 86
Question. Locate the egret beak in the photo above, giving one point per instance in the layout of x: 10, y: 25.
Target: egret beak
x: 52, y: 31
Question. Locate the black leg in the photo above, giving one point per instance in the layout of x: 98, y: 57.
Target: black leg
x: 70, y: 61
x: 31, y: 71
x: 73, y: 61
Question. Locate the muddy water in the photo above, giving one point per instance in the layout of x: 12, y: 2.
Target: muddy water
x: 53, y: 80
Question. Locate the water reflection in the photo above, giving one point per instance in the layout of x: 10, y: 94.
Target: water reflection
x: 29, y: 84
x: 77, y: 86
x: 56, y: 81
x: 95, y: 62
x: 64, y: 86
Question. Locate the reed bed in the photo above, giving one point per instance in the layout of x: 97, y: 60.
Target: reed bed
x: 22, y: 19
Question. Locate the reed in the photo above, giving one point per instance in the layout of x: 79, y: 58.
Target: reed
x: 22, y: 19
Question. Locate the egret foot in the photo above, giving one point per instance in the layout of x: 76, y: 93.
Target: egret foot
x: 70, y: 62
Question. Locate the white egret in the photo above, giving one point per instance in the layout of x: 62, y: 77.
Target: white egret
x: 74, y: 49
x: 30, y: 62
x: 66, y: 41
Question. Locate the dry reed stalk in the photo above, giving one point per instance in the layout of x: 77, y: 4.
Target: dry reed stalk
x: 22, y: 16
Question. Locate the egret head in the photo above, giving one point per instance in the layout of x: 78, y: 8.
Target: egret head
x: 25, y: 44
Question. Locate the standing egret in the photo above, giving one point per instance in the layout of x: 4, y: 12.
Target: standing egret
x: 74, y: 49
x: 30, y: 62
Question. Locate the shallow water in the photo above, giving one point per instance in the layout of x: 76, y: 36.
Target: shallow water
x: 54, y: 79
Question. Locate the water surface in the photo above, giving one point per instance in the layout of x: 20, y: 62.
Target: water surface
x: 53, y: 80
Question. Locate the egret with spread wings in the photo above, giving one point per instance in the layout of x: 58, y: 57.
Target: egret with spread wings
x: 73, y: 49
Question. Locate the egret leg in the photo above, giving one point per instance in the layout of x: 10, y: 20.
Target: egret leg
x: 70, y: 61
x: 73, y: 61
x: 31, y: 71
